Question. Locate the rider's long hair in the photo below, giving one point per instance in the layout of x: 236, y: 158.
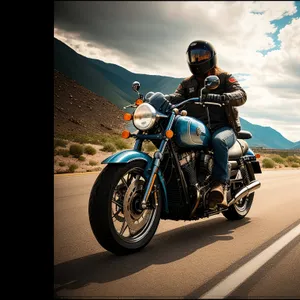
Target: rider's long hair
x: 215, y: 71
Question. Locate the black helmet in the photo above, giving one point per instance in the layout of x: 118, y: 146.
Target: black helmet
x: 201, y: 57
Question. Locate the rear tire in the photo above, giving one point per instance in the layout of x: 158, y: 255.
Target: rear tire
x: 239, y: 211
x: 101, y: 212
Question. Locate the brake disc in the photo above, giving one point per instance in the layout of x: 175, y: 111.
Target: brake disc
x: 135, y: 217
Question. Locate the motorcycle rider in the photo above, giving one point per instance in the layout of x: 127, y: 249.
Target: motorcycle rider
x: 223, y: 122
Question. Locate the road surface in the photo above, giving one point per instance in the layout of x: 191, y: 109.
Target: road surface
x: 197, y: 259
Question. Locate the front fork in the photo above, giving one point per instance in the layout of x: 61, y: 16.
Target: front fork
x: 158, y: 156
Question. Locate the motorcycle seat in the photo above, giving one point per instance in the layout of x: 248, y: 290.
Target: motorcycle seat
x: 243, y: 134
x: 239, y: 148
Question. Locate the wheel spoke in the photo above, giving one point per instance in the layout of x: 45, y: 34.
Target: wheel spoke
x: 123, y: 227
x: 124, y: 181
x: 115, y: 214
x: 129, y: 178
x: 117, y: 203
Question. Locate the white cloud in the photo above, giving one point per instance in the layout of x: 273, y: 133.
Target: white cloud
x: 161, y: 33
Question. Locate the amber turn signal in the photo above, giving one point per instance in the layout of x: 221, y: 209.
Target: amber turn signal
x: 127, y: 117
x: 125, y: 134
x: 169, y: 134
x: 138, y: 102
x: 257, y: 155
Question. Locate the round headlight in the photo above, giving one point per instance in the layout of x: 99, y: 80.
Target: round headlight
x: 144, y: 116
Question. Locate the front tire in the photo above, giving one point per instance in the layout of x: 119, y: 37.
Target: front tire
x: 116, y: 185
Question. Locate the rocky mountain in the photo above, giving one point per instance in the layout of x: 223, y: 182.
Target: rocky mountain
x: 90, y: 95
x: 78, y: 110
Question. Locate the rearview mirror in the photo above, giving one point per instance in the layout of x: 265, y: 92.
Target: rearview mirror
x: 211, y: 82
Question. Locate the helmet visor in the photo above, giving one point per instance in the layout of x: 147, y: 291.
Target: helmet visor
x: 199, y: 55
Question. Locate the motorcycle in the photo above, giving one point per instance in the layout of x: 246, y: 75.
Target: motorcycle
x: 135, y: 190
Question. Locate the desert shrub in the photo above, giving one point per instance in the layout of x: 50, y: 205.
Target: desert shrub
x: 81, y: 158
x: 295, y: 165
x: 72, y: 168
x: 76, y: 150
x: 60, y: 171
x: 105, y: 139
x: 93, y: 163
x: 90, y: 150
x: 63, y: 152
x: 278, y: 159
x: 94, y: 138
x: 81, y: 139
x: 55, y: 152
x: 286, y: 164
x: 97, y: 169
x: 284, y: 154
x: 60, y: 143
x: 62, y: 164
x: 121, y: 144
x: 109, y: 147
x: 268, y: 163
x: 86, y: 139
x: 292, y: 159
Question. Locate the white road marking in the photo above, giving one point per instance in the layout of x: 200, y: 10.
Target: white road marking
x: 230, y: 283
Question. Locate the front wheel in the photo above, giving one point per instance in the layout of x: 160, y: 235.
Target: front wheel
x: 239, y: 210
x: 117, y: 220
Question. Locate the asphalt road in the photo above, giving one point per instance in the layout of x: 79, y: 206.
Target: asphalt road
x: 192, y: 259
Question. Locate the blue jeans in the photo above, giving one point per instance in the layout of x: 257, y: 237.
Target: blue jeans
x: 222, y: 139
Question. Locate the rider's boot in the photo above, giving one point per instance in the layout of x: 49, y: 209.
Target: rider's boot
x: 218, y: 196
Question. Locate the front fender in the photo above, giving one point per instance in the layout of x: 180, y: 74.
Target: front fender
x: 127, y: 156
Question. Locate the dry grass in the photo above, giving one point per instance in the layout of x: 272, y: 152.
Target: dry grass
x: 89, y: 161
x: 277, y: 161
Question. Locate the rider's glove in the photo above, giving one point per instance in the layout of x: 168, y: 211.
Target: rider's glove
x: 214, y: 98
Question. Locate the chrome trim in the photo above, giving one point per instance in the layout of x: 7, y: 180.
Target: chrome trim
x: 213, y: 103
x: 137, y: 158
x: 245, y: 191
x: 160, y: 115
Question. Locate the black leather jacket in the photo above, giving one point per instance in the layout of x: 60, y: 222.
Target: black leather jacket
x: 228, y: 115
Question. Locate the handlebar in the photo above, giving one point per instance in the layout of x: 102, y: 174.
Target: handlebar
x: 196, y: 100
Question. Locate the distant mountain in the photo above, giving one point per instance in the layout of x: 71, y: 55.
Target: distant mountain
x: 113, y: 83
x: 107, y: 80
x: 296, y: 145
x: 265, y: 136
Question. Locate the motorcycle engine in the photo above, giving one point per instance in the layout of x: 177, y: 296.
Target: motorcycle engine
x: 205, y: 165
x: 187, y: 161
x: 196, y: 166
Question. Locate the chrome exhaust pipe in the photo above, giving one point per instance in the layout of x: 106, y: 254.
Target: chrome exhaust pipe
x: 254, y: 185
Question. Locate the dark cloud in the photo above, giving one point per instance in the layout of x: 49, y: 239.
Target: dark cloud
x: 152, y: 30
x: 122, y: 25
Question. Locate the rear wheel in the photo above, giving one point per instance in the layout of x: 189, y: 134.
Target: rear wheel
x: 117, y: 220
x: 239, y: 210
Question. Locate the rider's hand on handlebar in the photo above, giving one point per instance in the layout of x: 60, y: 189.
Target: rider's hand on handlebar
x: 214, y: 98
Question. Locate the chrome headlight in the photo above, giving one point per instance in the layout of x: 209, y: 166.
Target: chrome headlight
x: 144, y: 116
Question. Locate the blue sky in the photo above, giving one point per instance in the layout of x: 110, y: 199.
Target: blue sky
x: 280, y: 24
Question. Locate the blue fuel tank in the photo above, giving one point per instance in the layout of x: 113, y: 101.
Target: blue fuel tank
x: 190, y: 132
